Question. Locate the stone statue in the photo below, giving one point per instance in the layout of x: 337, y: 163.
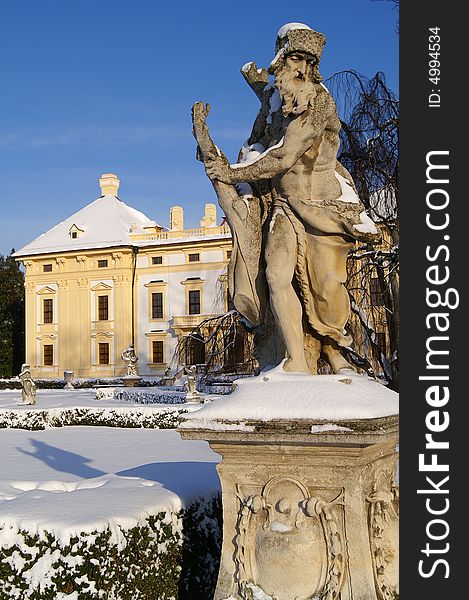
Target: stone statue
x: 68, y: 378
x: 28, y: 386
x: 292, y: 209
x: 130, y: 359
x: 190, y: 385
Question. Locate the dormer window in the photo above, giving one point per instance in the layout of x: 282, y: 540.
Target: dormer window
x: 75, y: 232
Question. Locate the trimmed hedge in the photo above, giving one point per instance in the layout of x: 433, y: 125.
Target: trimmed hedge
x: 168, y: 556
x: 158, y: 418
x: 78, y: 384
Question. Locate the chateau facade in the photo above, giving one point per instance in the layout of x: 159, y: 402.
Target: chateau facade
x: 109, y: 276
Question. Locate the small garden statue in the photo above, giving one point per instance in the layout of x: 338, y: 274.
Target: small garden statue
x: 28, y: 385
x: 68, y: 377
x: 130, y: 359
x: 190, y: 386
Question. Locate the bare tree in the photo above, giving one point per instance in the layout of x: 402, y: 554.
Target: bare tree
x: 369, y: 113
x: 219, y: 345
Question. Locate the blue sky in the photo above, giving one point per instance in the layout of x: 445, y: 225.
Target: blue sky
x: 96, y: 86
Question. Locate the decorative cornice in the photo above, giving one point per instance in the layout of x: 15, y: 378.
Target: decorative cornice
x: 153, y: 284
x: 45, y: 291
x: 101, y: 287
x: 190, y: 281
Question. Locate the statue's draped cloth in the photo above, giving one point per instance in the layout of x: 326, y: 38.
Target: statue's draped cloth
x: 320, y: 272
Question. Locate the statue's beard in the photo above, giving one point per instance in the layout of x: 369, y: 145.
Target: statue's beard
x: 295, y: 93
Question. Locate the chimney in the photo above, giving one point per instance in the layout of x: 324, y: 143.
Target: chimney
x: 109, y: 184
x: 176, y: 218
x: 210, y: 216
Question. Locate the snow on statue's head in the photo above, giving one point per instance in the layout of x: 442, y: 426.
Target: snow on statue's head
x: 296, y: 65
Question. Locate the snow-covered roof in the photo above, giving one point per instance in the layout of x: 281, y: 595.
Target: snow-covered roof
x: 104, y: 223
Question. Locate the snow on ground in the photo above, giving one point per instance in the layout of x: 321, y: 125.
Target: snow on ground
x: 275, y: 394
x: 73, y: 479
x: 80, y: 479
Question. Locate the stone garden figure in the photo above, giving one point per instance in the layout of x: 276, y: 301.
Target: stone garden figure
x: 292, y: 208
x: 68, y: 377
x: 190, y: 385
x: 130, y: 359
x: 28, y: 386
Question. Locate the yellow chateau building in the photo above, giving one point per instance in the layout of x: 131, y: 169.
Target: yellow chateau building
x: 108, y: 276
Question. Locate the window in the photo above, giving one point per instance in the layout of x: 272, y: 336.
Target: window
x: 103, y: 308
x: 157, y: 348
x: 47, y: 268
x: 375, y: 292
x: 194, y: 302
x: 102, y: 263
x: 234, y: 352
x: 48, y: 311
x: 103, y: 349
x: 194, y: 257
x: 48, y: 355
x: 157, y: 305
x: 228, y: 253
x: 195, y: 351
x: 74, y: 235
x: 157, y: 260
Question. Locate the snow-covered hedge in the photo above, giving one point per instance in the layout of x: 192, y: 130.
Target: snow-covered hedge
x: 161, y: 418
x: 153, y: 395
x: 79, y: 384
x: 167, y: 556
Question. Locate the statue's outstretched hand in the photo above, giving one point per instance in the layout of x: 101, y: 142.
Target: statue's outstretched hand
x: 199, y: 115
x: 206, y: 147
x: 254, y: 75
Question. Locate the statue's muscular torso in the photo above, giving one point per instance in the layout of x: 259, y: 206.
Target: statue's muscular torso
x: 312, y: 176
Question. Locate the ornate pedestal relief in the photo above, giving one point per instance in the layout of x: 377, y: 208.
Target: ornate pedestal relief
x: 289, y: 541
x: 383, y: 526
x: 307, y: 515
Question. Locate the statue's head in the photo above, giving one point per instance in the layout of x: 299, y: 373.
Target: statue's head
x: 300, y: 40
x: 296, y: 66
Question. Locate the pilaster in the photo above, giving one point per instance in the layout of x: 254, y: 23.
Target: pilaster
x: 65, y: 350
x: 123, y: 308
x: 31, y: 326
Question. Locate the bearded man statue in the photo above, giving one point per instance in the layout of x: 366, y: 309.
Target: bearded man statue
x: 292, y: 208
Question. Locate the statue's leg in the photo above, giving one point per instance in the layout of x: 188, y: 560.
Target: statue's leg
x: 280, y: 256
x: 333, y: 356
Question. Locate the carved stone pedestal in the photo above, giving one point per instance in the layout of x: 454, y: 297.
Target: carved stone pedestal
x: 131, y: 380
x: 310, y: 509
